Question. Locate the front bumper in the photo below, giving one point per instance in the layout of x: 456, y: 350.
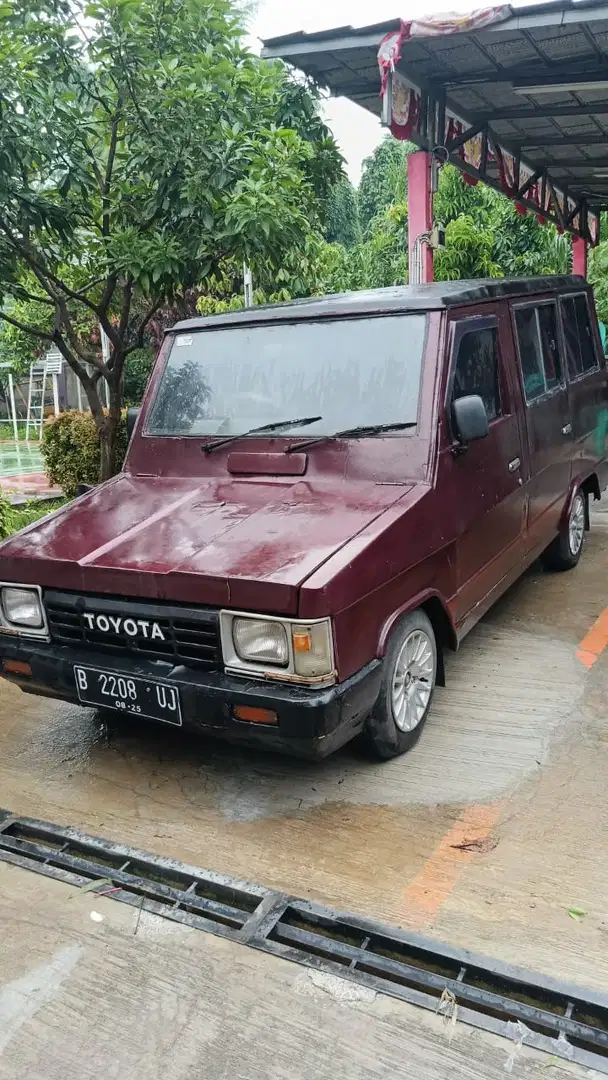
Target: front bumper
x: 311, y: 722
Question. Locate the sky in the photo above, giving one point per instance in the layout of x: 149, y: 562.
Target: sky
x: 356, y: 130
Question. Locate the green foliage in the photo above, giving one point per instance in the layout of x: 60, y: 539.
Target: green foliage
x: 6, y: 517
x: 71, y: 450
x: 138, y: 367
x: 299, y: 110
x: 598, y: 276
x: 21, y: 516
x: 384, y: 179
x: 520, y: 246
x: 140, y: 149
x: 343, y: 225
x: 467, y: 252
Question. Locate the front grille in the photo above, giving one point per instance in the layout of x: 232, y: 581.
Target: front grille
x: 190, y: 636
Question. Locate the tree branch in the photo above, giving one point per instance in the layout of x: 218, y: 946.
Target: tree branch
x: 105, y: 191
x: 141, y: 329
x: 45, y: 276
x: 89, y: 383
x: 20, y: 293
x: 32, y: 330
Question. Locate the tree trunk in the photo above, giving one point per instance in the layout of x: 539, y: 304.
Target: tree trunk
x: 108, y: 437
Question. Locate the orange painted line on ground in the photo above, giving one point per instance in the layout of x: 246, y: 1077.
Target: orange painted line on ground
x: 594, y: 641
x: 433, y: 885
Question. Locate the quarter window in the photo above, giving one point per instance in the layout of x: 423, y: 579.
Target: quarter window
x: 477, y: 368
x: 539, y: 350
x: 578, y: 335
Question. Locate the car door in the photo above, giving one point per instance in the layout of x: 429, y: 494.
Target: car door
x: 586, y: 373
x: 486, y: 476
x: 547, y: 418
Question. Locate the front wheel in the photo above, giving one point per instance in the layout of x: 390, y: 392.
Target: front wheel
x: 564, y: 552
x: 408, y: 682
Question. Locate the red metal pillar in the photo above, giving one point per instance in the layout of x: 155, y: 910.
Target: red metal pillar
x: 419, y: 209
x: 579, y: 256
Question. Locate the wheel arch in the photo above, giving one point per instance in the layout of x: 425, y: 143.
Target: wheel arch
x: 436, y: 609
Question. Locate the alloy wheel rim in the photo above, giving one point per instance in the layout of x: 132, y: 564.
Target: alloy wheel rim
x: 413, y: 680
x: 576, y: 524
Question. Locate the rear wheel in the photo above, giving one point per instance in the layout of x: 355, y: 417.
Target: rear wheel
x: 564, y: 552
x: 410, y: 673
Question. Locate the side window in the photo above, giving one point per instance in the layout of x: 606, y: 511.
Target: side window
x: 477, y: 369
x: 539, y: 352
x: 578, y: 335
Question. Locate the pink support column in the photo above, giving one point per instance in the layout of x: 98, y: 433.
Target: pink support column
x: 420, y: 208
x: 579, y: 256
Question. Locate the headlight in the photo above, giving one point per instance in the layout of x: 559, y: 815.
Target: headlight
x: 260, y: 642
x: 21, y: 607
x: 278, y: 648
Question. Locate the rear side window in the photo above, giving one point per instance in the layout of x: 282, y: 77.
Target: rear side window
x: 578, y: 335
x: 477, y: 368
x: 539, y: 351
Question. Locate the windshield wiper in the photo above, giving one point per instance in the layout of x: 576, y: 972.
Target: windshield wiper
x: 208, y: 448
x: 349, y: 433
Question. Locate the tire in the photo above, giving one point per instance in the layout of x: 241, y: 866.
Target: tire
x: 388, y: 733
x: 564, y: 552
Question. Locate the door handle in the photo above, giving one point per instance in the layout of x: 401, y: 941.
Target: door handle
x: 514, y: 465
x: 567, y: 429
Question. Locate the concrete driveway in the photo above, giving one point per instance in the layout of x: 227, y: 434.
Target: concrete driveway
x: 484, y: 836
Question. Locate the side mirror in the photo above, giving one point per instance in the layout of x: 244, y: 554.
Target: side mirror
x: 132, y: 415
x: 470, y: 418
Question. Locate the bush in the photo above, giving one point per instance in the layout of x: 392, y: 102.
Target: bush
x: 6, y: 517
x: 70, y: 448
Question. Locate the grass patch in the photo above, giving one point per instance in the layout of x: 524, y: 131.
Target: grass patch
x: 14, y: 518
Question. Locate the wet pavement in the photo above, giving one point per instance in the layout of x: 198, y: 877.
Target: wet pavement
x: 22, y: 470
x: 484, y: 836
x: 120, y: 997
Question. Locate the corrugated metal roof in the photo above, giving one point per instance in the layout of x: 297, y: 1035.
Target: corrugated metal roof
x: 565, y: 131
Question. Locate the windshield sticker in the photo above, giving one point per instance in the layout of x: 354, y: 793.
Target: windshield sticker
x: 184, y: 339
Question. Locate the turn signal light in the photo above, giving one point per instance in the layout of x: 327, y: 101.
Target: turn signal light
x: 254, y: 716
x: 17, y: 667
x: 302, y: 641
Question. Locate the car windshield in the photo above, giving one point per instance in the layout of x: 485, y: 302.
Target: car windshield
x: 348, y: 372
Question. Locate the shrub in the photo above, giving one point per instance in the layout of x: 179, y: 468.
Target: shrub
x: 70, y: 448
x: 6, y: 517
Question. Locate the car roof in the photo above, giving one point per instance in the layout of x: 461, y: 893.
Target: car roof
x: 401, y: 298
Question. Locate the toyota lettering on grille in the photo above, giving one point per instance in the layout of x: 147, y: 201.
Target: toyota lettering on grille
x: 133, y: 628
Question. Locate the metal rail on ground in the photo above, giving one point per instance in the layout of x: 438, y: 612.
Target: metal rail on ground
x: 525, y: 1007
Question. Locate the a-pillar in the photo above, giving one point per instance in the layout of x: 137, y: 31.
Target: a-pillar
x: 419, y: 209
x: 579, y: 256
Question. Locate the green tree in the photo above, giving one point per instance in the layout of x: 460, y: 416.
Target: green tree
x: 384, y: 179
x: 139, y: 149
x: 467, y: 252
x: 520, y: 245
x: 598, y: 275
x: 298, y: 110
x: 342, y: 221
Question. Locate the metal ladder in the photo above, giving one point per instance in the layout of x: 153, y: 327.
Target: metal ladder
x: 36, y: 396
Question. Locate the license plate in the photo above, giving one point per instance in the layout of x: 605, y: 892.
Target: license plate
x: 140, y: 697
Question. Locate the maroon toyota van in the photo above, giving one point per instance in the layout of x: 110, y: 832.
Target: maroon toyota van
x: 318, y: 499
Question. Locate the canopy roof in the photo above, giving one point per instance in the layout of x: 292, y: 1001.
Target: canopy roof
x: 519, y: 98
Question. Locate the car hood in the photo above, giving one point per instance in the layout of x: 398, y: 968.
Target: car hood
x: 240, y: 543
